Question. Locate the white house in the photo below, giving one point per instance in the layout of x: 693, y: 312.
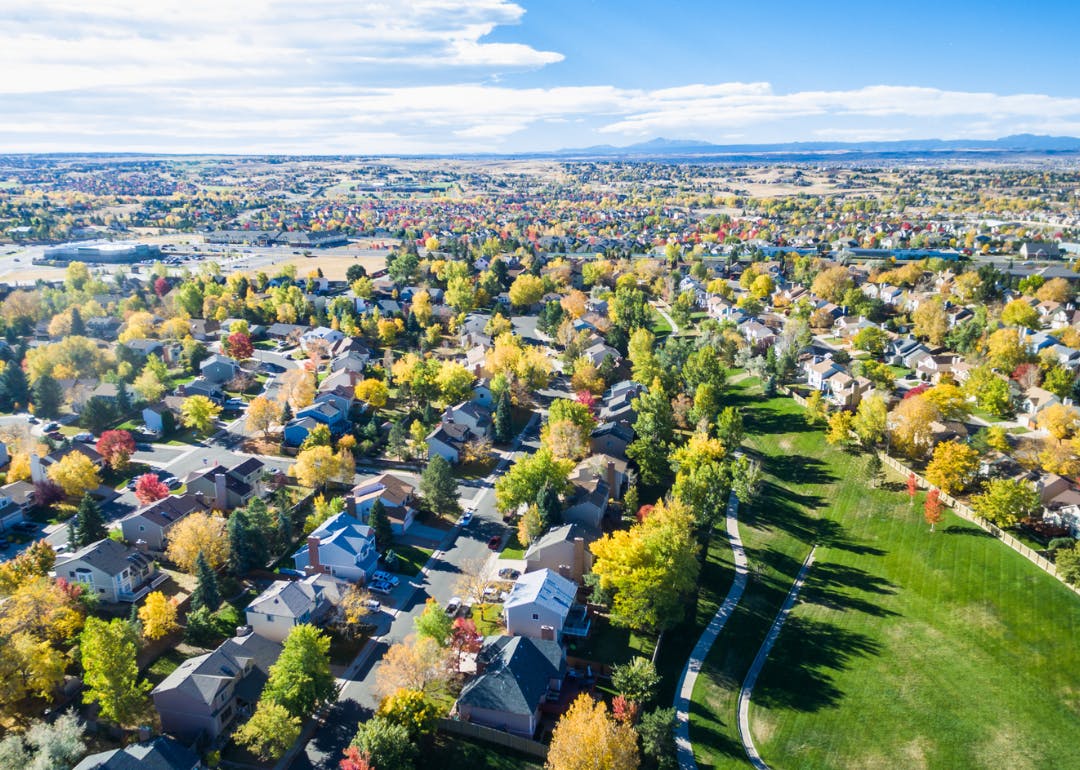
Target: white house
x: 541, y: 606
x: 285, y: 603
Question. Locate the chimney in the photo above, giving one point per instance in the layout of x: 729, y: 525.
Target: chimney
x: 579, y: 558
x: 37, y: 473
x: 612, y: 489
x: 313, y: 556
x: 350, y: 505
x: 548, y: 633
x: 221, y: 495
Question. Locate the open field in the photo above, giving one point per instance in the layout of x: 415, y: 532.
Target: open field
x: 908, y: 648
x: 333, y: 267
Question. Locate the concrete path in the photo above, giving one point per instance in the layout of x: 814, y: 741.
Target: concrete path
x: 685, y: 690
x: 743, y: 718
x: 671, y: 322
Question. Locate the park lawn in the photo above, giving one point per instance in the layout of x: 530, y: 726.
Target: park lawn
x: 658, y: 324
x: 907, y: 649
x: 410, y: 559
x: 458, y: 753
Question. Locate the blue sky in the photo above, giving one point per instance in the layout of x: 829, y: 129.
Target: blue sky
x: 418, y: 76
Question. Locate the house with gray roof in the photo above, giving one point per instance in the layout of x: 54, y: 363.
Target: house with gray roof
x: 201, y: 699
x: 111, y: 571
x: 289, y: 603
x: 515, y: 675
x: 148, y: 527
x: 563, y: 550
x: 161, y: 753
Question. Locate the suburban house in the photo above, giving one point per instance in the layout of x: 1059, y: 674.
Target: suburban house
x: 321, y: 334
x: 228, y: 488
x: 563, y: 550
x: 111, y: 571
x: 611, y: 438
x: 218, y: 369
x: 541, y: 606
x: 611, y: 469
x: 200, y: 699
x: 588, y: 500
x: 148, y: 527
x: 447, y: 441
x: 155, y: 420
x: 515, y: 676
x: 342, y: 547
x: 396, y: 495
x: 474, y: 417
x: 287, y: 603
x: 160, y: 753
x: 201, y: 386
x: 819, y: 371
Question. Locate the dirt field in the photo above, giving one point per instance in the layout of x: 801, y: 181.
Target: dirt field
x: 333, y: 267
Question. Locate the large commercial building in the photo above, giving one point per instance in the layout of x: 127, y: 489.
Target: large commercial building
x: 102, y: 251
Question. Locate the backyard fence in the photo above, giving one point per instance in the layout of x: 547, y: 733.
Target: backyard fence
x: 966, y: 513
x: 497, y: 737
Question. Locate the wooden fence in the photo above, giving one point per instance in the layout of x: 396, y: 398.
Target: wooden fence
x: 497, y: 737
x: 966, y: 513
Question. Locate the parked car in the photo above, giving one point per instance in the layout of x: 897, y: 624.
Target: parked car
x: 466, y: 519
x: 50, y: 426
x: 380, y: 587
x: 288, y: 572
x: 509, y: 574
x: 453, y: 607
x: 384, y: 577
x: 372, y: 605
x: 235, y: 403
x: 495, y: 542
x: 84, y: 437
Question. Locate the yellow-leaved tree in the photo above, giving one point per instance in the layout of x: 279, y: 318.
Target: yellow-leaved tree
x: 158, y: 616
x: 587, y: 736
x: 263, y: 414
x: 198, y: 532
x: 75, y: 473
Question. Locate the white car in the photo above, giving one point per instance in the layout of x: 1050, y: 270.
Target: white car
x: 373, y: 605
x: 385, y: 577
x: 453, y: 607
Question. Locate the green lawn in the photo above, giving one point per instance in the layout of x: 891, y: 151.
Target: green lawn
x: 658, y: 324
x: 165, y: 664
x: 457, y: 753
x: 488, y: 619
x: 513, y: 549
x: 907, y: 649
x: 411, y: 559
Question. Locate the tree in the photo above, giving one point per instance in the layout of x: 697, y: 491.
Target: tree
x: 75, y: 473
x: 387, y: 745
x: 248, y: 530
x: 316, y: 467
x: 654, y: 427
x: 651, y: 568
x: 206, y: 593
x: 1006, y: 501
x: 502, y: 422
x: 373, y: 392
x: 297, y: 388
x: 239, y: 346
x: 14, y: 389
x: 438, y: 487
x: 872, y: 339
x: 45, y: 746
x: 1005, y: 350
x: 1020, y: 313
x: 380, y: 525
x: 729, y: 425
x: 434, y: 623
x: 912, y: 487
x: 464, y: 638
x: 912, y: 421
x: 586, y: 736
x: 523, y: 481
x: 832, y: 283
x: 110, y: 672
x: 637, y: 680
x: 158, y: 616
x: 930, y: 321
x: 417, y: 663
x: 88, y: 527
x: 96, y: 414
x: 953, y: 466
x: 1067, y: 563
x: 657, y: 732
x: 47, y: 397
x: 1059, y: 381
x: 1059, y: 421
x: 198, y: 533
x: 932, y: 508
x: 263, y: 414
x: 412, y: 710
x: 149, y: 488
x: 199, y: 412
x: 991, y: 392
x: 548, y: 506
x: 270, y: 731
x: 530, y: 526
x: 148, y: 386
x: 526, y: 290
x: 840, y: 428
x: 301, y: 680
x: 816, y: 408
x: 117, y: 447
x: 949, y: 400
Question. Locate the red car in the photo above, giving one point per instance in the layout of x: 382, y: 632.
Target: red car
x: 494, y: 542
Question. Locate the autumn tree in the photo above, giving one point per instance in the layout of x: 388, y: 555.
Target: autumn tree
x: 117, y: 447
x: 434, y: 623
x: 1020, y: 313
x: 949, y: 399
x: 262, y: 415
x: 637, y: 680
x: 301, y: 679
x: 149, y: 488
x: 872, y: 339
x: 1005, y: 350
x: 911, y: 425
x: 270, y: 731
x: 1006, y: 501
x: 418, y: 663
x: 1059, y: 421
x: 840, y: 428
x: 158, y: 616
x: 198, y: 533
x: 110, y: 671
x: 373, y: 392
x: 816, y: 408
x: 318, y: 466
x: 239, y: 346
x: 871, y: 420
x: 587, y: 736
x: 75, y: 473
x: 832, y: 283
x: 932, y: 508
x: 990, y: 392
x: 930, y: 322
x: 297, y: 388
x: 526, y: 290
x: 953, y: 466
x: 199, y: 412
x: 912, y: 487
x: 523, y: 481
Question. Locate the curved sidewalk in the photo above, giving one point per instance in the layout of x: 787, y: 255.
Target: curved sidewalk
x: 685, y: 690
x: 743, y: 717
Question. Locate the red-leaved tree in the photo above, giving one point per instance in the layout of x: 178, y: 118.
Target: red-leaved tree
x: 932, y: 508
x: 624, y: 710
x: 588, y: 399
x: 354, y: 760
x: 464, y: 638
x: 912, y: 487
x: 161, y: 287
x: 149, y: 488
x: 239, y: 345
x: 116, y: 446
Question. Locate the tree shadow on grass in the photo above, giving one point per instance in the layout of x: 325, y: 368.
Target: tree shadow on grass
x: 766, y: 421
x: 799, y: 469
x: 799, y: 672
x: 832, y: 586
x: 707, y: 729
x: 962, y: 529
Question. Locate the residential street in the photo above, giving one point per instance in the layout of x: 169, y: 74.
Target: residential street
x: 467, y: 547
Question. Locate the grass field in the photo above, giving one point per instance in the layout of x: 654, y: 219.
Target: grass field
x: 908, y: 648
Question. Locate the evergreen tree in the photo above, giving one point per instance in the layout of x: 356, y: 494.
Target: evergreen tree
x: 47, y: 397
x: 96, y: 414
x: 89, y: 527
x: 380, y: 524
x: 123, y: 398
x: 243, y: 543
x: 286, y: 413
x: 547, y: 501
x: 206, y: 592
x: 78, y: 328
x: 397, y: 441
x: 502, y: 418
x: 283, y: 526
x: 438, y: 486
x: 14, y: 389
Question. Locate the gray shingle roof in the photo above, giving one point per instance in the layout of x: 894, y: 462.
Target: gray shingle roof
x: 204, y: 676
x: 162, y: 753
x: 516, y: 674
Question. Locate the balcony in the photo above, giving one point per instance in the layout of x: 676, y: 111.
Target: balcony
x: 134, y: 596
x: 577, y: 623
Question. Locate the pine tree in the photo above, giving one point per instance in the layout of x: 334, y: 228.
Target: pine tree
x: 502, y: 418
x: 89, y: 526
x: 47, y: 397
x: 396, y: 442
x: 438, y: 486
x: 547, y: 501
x: 206, y: 592
x: 14, y: 389
x: 78, y: 327
x: 123, y: 398
x: 380, y: 524
x: 241, y: 543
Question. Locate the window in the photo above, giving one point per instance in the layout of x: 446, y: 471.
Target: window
x: 269, y: 618
x: 535, y: 616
